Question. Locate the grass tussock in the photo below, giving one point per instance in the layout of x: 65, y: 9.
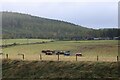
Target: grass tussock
x: 59, y: 70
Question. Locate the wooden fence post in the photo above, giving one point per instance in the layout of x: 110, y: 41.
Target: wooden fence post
x: 6, y: 56
x: 97, y: 58
x: 23, y: 56
x: 58, y: 56
x: 117, y: 58
x: 40, y: 57
x: 76, y: 57
x: 1, y: 55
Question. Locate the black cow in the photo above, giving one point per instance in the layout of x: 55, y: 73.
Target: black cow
x: 59, y: 52
x: 78, y: 54
x: 48, y: 52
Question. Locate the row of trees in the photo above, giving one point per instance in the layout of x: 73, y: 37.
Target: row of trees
x: 103, y: 33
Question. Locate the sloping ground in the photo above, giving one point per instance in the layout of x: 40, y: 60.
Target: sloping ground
x: 17, y: 25
x: 59, y: 70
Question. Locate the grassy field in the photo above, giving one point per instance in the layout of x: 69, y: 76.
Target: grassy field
x: 59, y: 70
x: 89, y: 49
x: 22, y: 41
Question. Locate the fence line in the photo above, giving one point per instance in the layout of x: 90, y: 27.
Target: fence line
x: 76, y: 57
x: 117, y: 58
x: 97, y: 58
x: 59, y: 57
x: 40, y: 57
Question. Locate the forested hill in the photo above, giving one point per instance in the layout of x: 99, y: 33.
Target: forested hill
x: 18, y: 25
x: 22, y: 25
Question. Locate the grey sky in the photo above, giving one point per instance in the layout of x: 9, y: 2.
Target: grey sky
x: 88, y: 14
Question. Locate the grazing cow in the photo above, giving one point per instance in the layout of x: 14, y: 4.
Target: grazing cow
x: 48, y: 52
x: 67, y: 54
x: 60, y: 52
x: 43, y: 51
x: 78, y: 54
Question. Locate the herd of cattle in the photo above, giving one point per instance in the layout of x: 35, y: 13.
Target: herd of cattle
x: 65, y: 53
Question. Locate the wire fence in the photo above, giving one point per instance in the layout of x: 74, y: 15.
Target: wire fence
x: 57, y: 57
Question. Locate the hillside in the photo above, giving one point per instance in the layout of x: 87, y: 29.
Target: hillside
x: 19, y: 25
x: 59, y: 70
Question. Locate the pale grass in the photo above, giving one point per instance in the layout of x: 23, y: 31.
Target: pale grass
x: 107, y: 50
x: 36, y: 57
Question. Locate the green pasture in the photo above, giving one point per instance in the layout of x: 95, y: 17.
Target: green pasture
x: 22, y: 41
x: 103, y: 48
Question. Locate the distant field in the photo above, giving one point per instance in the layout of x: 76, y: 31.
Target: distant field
x: 22, y: 41
x: 89, y: 49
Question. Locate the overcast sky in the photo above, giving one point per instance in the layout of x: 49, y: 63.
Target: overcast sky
x: 88, y: 13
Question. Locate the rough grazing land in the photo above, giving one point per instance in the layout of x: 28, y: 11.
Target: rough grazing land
x: 59, y: 70
x: 107, y: 50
